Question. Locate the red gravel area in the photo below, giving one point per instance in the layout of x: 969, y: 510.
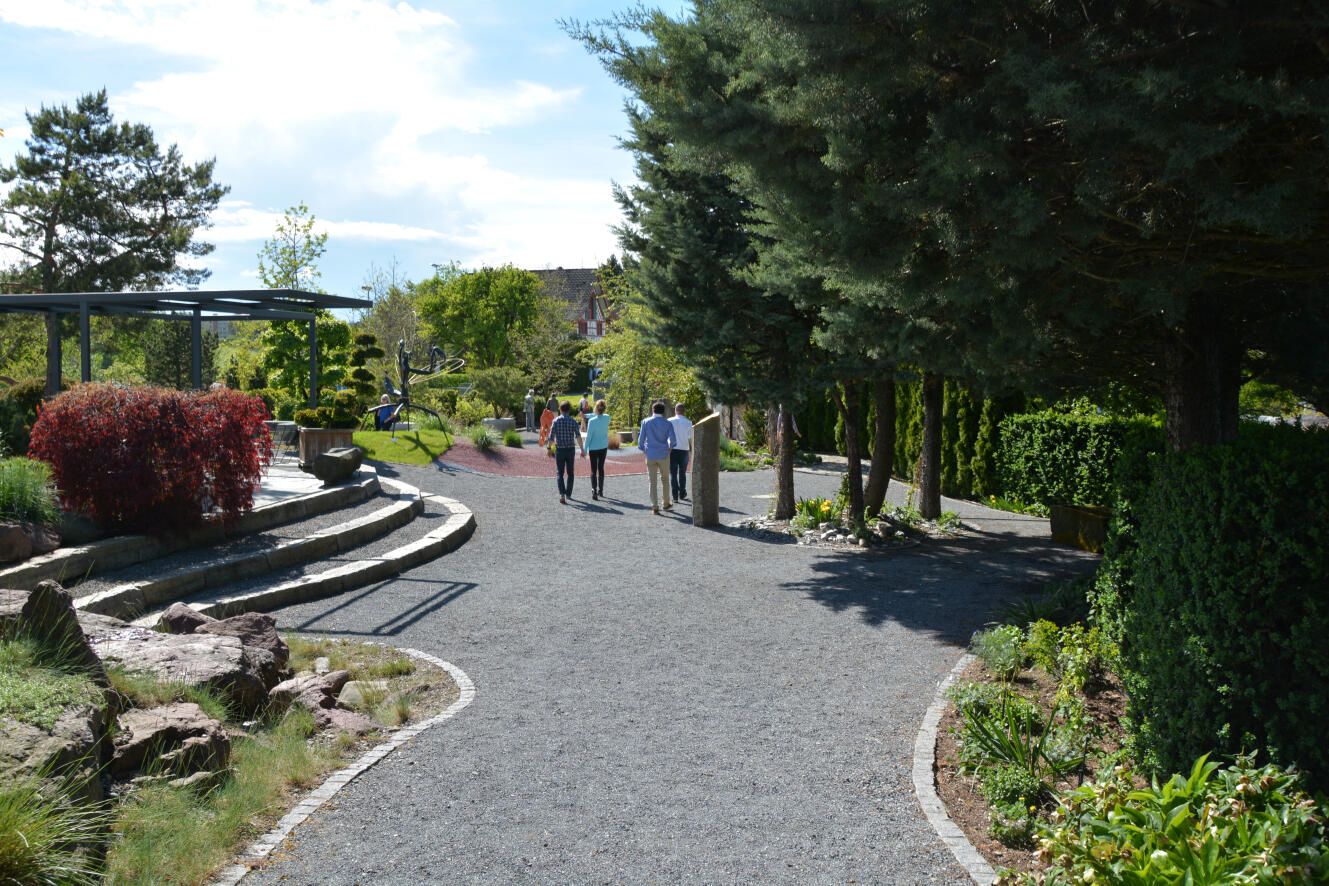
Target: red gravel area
x: 531, y: 461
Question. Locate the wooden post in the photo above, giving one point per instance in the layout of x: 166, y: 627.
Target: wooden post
x: 706, y: 471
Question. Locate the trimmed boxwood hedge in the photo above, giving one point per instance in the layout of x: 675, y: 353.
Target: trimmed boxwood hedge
x: 1058, y: 458
x: 1214, y: 586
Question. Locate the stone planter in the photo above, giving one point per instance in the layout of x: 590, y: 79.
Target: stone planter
x: 499, y: 425
x: 1082, y: 527
x: 318, y: 440
x: 626, y: 437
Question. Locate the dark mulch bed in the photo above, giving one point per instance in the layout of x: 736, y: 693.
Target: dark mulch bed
x: 960, y: 793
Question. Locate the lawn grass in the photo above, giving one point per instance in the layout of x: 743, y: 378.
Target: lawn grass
x: 410, y: 448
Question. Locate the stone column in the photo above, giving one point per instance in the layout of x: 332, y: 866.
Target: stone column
x: 706, y: 471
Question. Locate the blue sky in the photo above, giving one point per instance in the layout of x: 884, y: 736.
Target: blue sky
x: 419, y: 132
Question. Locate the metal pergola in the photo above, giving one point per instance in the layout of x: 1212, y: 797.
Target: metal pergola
x: 196, y: 306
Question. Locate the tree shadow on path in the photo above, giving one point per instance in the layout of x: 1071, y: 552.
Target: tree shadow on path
x: 946, y: 588
x: 446, y: 592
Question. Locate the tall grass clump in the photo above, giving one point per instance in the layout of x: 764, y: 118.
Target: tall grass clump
x: 176, y: 835
x: 483, y: 438
x: 26, y: 492
x: 45, y: 840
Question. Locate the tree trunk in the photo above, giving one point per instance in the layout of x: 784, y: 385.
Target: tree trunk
x: 1202, y: 366
x: 883, y: 444
x: 773, y: 432
x: 53, y: 355
x: 848, y: 407
x: 784, y: 472
x: 929, y: 460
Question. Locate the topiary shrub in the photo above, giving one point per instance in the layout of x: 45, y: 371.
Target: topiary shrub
x: 1213, y: 585
x: 153, y: 459
x: 513, y: 439
x: 1057, y: 458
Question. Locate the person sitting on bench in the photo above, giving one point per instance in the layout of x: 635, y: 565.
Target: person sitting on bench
x: 385, y: 415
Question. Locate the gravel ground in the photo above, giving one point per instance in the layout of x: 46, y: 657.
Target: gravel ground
x: 658, y: 703
x: 193, y: 559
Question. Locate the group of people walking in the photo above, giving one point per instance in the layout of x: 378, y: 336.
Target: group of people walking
x: 666, y: 443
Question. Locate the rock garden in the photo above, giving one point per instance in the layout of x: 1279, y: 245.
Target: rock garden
x: 147, y: 754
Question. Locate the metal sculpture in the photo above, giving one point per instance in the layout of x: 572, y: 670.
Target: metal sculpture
x: 439, y: 364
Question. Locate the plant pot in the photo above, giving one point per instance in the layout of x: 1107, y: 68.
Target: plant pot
x: 317, y: 440
x: 1081, y: 526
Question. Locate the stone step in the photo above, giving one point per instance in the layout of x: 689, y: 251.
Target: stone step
x: 453, y: 528
x: 131, y: 598
x: 106, y: 555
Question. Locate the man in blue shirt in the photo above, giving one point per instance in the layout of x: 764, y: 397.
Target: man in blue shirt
x: 566, y: 434
x: 656, y: 439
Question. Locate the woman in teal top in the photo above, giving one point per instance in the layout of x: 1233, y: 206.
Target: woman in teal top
x: 597, y: 447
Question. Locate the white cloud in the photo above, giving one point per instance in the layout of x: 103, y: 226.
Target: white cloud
x: 259, y: 74
x: 236, y: 221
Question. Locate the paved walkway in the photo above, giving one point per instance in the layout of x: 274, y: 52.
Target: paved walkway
x: 658, y: 703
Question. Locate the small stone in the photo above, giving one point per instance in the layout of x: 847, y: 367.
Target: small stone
x: 354, y: 693
x: 322, y: 665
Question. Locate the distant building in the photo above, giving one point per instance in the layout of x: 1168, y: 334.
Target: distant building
x: 584, y: 303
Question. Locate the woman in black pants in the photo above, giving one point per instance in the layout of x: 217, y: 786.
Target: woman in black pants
x: 597, y: 447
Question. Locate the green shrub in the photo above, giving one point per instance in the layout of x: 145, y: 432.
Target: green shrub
x: 754, y: 428
x: 1221, y: 825
x: 483, y: 438
x: 1213, y: 585
x: 513, y: 439
x: 1063, y: 603
x: 471, y: 410
x: 1001, y: 649
x: 1056, y: 458
x: 26, y: 492
x: 1006, y: 784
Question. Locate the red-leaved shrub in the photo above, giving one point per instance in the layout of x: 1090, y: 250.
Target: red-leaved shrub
x: 152, y: 459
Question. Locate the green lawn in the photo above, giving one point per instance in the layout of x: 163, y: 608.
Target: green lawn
x: 410, y: 447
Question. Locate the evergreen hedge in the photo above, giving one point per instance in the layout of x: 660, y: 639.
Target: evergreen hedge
x: 1214, y: 586
x: 969, y: 433
x: 1058, y: 458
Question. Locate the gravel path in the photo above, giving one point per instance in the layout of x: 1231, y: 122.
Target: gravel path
x: 658, y: 703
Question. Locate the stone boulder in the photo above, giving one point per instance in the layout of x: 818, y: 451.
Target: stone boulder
x: 312, y: 691
x: 47, y: 614
x: 69, y: 750
x: 14, y: 543
x: 19, y: 541
x: 337, y: 465
x: 356, y: 693
x: 182, y: 619
x: 254, y: 629
x: 238, y: 673
x: 177, y: 738
x: 318, y: 693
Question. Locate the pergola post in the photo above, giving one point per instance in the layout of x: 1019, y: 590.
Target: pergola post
x: 54, y: 358
x: 84, y: 343
x: 313, y: 363
x: 196, y: 349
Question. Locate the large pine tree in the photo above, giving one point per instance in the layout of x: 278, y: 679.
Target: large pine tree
x: 1051, y: 193
x: 96, y: 206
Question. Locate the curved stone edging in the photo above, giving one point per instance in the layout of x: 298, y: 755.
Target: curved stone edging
x: 925, y: 764
x: 263, y: 847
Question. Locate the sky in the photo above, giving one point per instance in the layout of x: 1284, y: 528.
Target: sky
x: 416, y: 132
